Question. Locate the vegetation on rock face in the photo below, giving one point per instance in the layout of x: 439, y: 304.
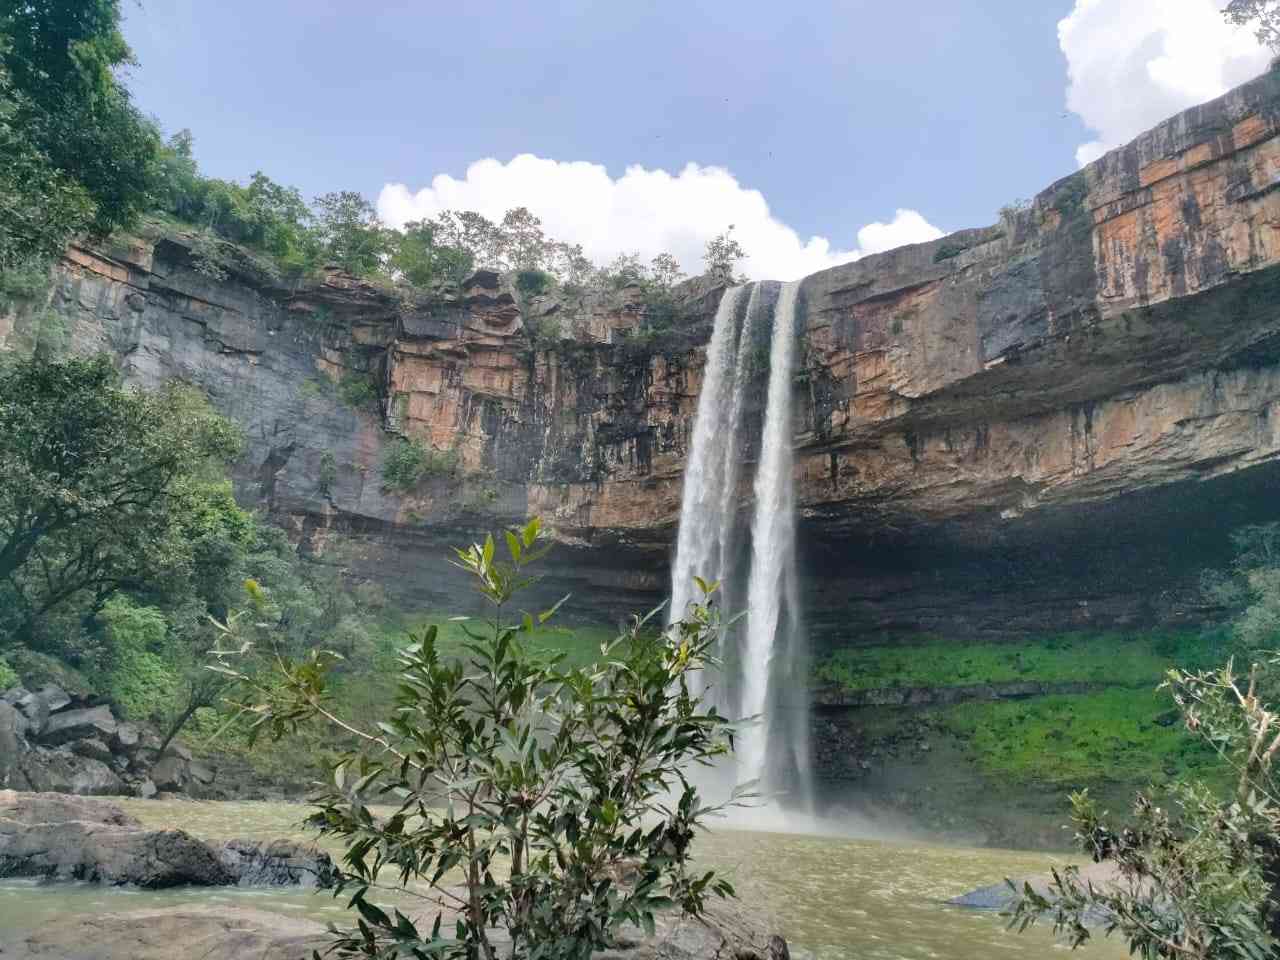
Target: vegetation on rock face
x: 548, y: 802
x: 408, y: 462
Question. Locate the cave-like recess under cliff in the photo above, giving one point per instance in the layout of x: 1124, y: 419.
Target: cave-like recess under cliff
x: 1049, y: 422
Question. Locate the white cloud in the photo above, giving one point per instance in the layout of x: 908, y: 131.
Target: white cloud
x: 649, y: 211
x: 1132, y: 63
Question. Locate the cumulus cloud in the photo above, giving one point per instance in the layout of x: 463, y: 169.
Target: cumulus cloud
x: 1132, y: 63
x: 645, y: 211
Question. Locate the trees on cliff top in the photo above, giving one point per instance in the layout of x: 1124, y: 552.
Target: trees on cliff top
x: 76, y: 156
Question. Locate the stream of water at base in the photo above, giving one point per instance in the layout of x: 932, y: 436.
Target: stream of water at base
x: 834, y: 898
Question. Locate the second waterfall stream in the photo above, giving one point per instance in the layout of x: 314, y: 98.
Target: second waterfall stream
x: 744, y: 536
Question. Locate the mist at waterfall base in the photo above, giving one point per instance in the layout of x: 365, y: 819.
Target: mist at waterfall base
x: 744, y: 538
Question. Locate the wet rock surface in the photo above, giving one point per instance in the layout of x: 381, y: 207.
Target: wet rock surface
x: 60, y: 837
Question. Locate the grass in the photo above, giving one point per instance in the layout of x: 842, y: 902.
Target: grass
x: 1125, y: 736
x: 1120, y: 659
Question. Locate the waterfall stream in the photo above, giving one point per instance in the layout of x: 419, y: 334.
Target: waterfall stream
x: 763, y: 657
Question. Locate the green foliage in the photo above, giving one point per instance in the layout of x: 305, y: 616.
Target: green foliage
x: 1111, y: 657
x: 723, y: 254
x: 96, y: 484
x: 37, y: 669
x: 1197, y: 881
x: 8, y: 676
x: 79, y: 158
x: 950, y: 249
x: 1249, y: 593
x: 410, y: 461
x: 262, y: 215
x: 572, y: 780
x: 357, y: 390
x: 1262, y: 15
x: 534, y: 283
x: 1076, y: 739
x: 423, y: 261
x: 349, y: 232
x: 136, y: 676
x: 327, y: 474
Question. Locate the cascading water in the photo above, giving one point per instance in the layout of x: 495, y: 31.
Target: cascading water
x: 763, y: 657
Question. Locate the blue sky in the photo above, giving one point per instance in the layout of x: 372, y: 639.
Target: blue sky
x: 840, y: 114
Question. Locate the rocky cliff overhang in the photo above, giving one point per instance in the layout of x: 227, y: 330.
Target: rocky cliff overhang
x: 1112, y: 344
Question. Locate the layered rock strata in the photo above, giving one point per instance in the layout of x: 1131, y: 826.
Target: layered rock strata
x: 972, y: 405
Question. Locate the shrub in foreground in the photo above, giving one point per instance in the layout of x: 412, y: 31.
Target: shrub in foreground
x: 552, y: 805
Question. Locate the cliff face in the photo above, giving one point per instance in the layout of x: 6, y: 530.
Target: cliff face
x: 1010, y: 412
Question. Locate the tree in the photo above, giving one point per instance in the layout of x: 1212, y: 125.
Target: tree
x: 84, y: 159
x: 95, y: 483
x: 418, y: 257
x: 558, y: 799
x: 723, y: 254
x: 350, y: 233
x: 1262, y: 15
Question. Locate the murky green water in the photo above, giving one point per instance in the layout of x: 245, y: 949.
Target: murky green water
x: 834, y: 898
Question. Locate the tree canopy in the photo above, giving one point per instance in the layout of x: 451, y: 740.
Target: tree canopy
x: 78, y: 156
x: 101, y: 487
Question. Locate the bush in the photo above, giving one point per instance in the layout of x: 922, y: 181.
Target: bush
x: 357, y: 390
x: 569, y: 810
x: 136, y: 676
x: 1197, y: 880
x: 534, y: 283
x: 8, y: 676
x: 409, y: 462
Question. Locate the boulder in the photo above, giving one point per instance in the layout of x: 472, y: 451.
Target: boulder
x: 277, y: 863
x: 170, y: 773
x: 82, y: 724
x: 55, y: 838
x: 146, y: 789
x: 35, y: 708
x: 54, y: 697
x: 93, y: 749
x: 203, y: 931
x: 201, y: 773
x: 61, y: 771
x: 127, y: 737
x: 12, y: 745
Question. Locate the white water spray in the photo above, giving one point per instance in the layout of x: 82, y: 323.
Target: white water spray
x: 701, y: 505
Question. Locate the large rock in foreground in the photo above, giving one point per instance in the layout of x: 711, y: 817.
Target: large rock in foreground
x: 214, y: 932
x: 59, y: 837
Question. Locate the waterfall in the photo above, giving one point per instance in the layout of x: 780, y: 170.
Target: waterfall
x: 702, y: 502
x: 763, y: 671
x: 770, y: 595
